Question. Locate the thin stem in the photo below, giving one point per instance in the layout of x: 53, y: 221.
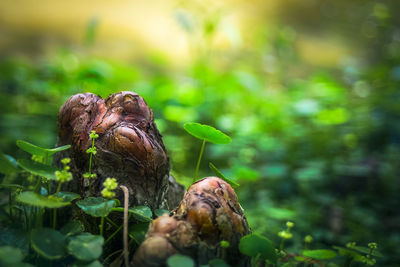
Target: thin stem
x: 10, y: 204
x: 125, y: 235
x: 113, y: 234
x: 102, y: 218
x: 111, y: 222
x: 196, y: 174
x: 90, y: 169
x: 55, y: 210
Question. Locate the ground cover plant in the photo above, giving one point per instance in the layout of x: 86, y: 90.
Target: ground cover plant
x: 313, y: 142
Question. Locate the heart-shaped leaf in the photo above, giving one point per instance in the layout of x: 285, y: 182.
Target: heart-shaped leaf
x: 7, y: 164
x: 179, y: 260
x: 39, y: 151
x: 36, y: 168
x: 254, y: 244
x: 72, y: 228
x: 85, y: 264
x: 15, y: 238
x: 218, y: 263
x: 140, y: 213
x: 10, y: 256
x: 86, y: 247
x: 160, y: 212
x: 11, y: 186
x: 67, y: 196
x: 366, y: 250
x: 205, y: 132
x: 96, y: 206
x: 34, y: 199
x: 220, y: 175
x: 49, y: 243
x: 349, y: 253
x: 320, y: 254
x: 138, y: 231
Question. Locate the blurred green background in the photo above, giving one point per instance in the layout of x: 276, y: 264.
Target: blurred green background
x: 308, y: 90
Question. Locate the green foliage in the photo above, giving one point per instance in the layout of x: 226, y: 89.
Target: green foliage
x: 320, y: 254
x: 39, y: 151
x: 34, y: 199
x: 257, y: 246
x: 208, y: 133
x: 96, y: 206
x: 179, y: 260
x: 86, y: 247
x: 220, y: 175
x: 140, y: 213
x: 8, y: 164
x: 36, y: 168
x: 48, y: 243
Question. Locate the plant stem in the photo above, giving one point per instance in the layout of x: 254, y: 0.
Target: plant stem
x: 196, y: 174
x: 90, y: 169
x: 55, y: 210
x: 102, y: 218
x: 113, y: 234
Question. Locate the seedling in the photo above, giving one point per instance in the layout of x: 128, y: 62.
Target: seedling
x: 207, y: 134
x: 92, y: 151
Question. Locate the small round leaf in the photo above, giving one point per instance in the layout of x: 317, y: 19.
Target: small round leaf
x: 208, y: 133
x: 49, y: 243
x: 39, y: 151
x: 86, y: 247
x: 320, y: 254
x: 35, y: 168
x: 34, y: 199
x: 96, y: 206
x: 179, y: 260
x: 10, y: 255
x: 255, y: 244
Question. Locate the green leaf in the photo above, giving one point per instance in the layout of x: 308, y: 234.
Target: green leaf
x: 320, y: 254
x: 140, y: 213
x: 39, y: 151
x: 34, y: 199
x: 68, y: 196
x: 85, y: 264
x: 138, y: 231
x: 218, y: 263
x: 8, y: 164
x: 96, y: 206
x: 254, y: 244
x: 36, y: 168
x: 348, y: 252
x: 15, y: 238
x: 49, y: 243
x: 220, y: 175
x: 11, y: 186
x: 72, y: 228
x: 160, y: 212
x: 86, y: 247
x: 10, y: 255
x: 208, y: 133
x: 179, y: 260
x: 366, y: 250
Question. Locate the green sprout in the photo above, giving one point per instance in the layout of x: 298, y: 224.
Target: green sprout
x: 286, y: 234
x: 110, y: 184
x: 92, y: 151
x: 62, y: 176
x: 368, y: 259
x: 207, y: 134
